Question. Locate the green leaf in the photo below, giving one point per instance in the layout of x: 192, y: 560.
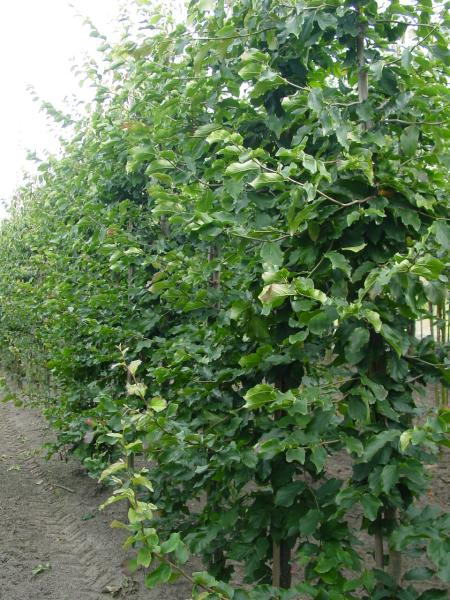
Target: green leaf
x: 136, y: 389
x: 428, y: 267
x: 181, y: 553
x: 251, y: 70
x: 378, y: 441
x: 157, y: 403
x: 237, y: 309
x: 355, y: 348
x: 159, y: 575
x: 442, y: 231
x: 338, y: 261
x: 389, y: 477
x: 310, y: 163
x: 409, y: 140
x: 266, y: 179
x: 419, y: 574
x: 399, y: 342
x: 308, y: 524
x: 371, y: 505
x: 144, y: 557
x: 133, y: 366
x: 113, y: 469
x: 325, y: 20
x: 322, y: 321
x: 272, y: 254
x: 171, y: 544
x: 298, y: 337
x: 287, y: 494
x: 318, y: 457
x: 296, y: 454
x: 359, y: 247
x: 315, y: 100
x: 305, y: 287
x: 374, y: 319
x: 434, y: 594
x: 259, y: 395
x: 158, y: 165
x: 241, y: 168
x: 405, y: 439
x: 276, y: 290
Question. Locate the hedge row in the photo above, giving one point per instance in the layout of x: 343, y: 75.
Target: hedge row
x: 221, y: 276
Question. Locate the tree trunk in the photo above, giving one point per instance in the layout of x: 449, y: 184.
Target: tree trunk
x: 378, y: 539
x: 281, y: 568
x: 395, y: 557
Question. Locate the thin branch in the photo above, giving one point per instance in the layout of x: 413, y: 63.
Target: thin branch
x: 419, y: 43
x: 63, y: 487
x: 445, y: 122
x: 320, y: 261
x: 233, y: 37
x: 323, y: 194
x: 425, y: 362
x: 398, y: 22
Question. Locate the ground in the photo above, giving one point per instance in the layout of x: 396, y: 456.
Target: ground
x: 54, y: 543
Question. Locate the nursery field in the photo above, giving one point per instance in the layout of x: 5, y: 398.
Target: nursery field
x: 227, y: 298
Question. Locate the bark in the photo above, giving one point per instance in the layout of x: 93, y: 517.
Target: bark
x: 281, y: 568
x: 378, y: 539
x: 363, y: 75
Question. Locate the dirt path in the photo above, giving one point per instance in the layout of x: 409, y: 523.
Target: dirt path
x: 48, y: 528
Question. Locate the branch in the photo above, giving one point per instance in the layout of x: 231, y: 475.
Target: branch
x: 323, y: 194
x: 419, y: 43
x: 398, y: 22
x: 445, y: 122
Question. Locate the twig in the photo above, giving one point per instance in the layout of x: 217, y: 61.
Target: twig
x: 63, y: 487
x: 419, y: 43
x: 408, y: 23
x: 417, y: 122
x: 323, y: 194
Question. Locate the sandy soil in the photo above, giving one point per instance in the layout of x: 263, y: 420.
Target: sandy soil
x: 58, y: 532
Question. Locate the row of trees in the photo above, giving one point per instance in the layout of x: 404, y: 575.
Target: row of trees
x: 222, y: 274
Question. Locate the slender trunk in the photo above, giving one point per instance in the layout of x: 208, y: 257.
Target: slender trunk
x: 218, y: 557
x: 363, y: 75
x: 430, y: 310
x: 395, y: 557
x: 164, y: 225
x: 130, y: 457
x: 442, y: 338
x: 378, y: 539
x: 363, y: 95
x: 281, y: 567
x: 282, y: 548
x: 213, y: 253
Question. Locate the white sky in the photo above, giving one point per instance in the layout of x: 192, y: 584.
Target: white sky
x: 39, y: 40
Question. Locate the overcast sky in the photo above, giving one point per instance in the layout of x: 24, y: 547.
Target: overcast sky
x: 39, y: 40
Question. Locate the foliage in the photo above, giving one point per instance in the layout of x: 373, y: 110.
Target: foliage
x: 249, y: 236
